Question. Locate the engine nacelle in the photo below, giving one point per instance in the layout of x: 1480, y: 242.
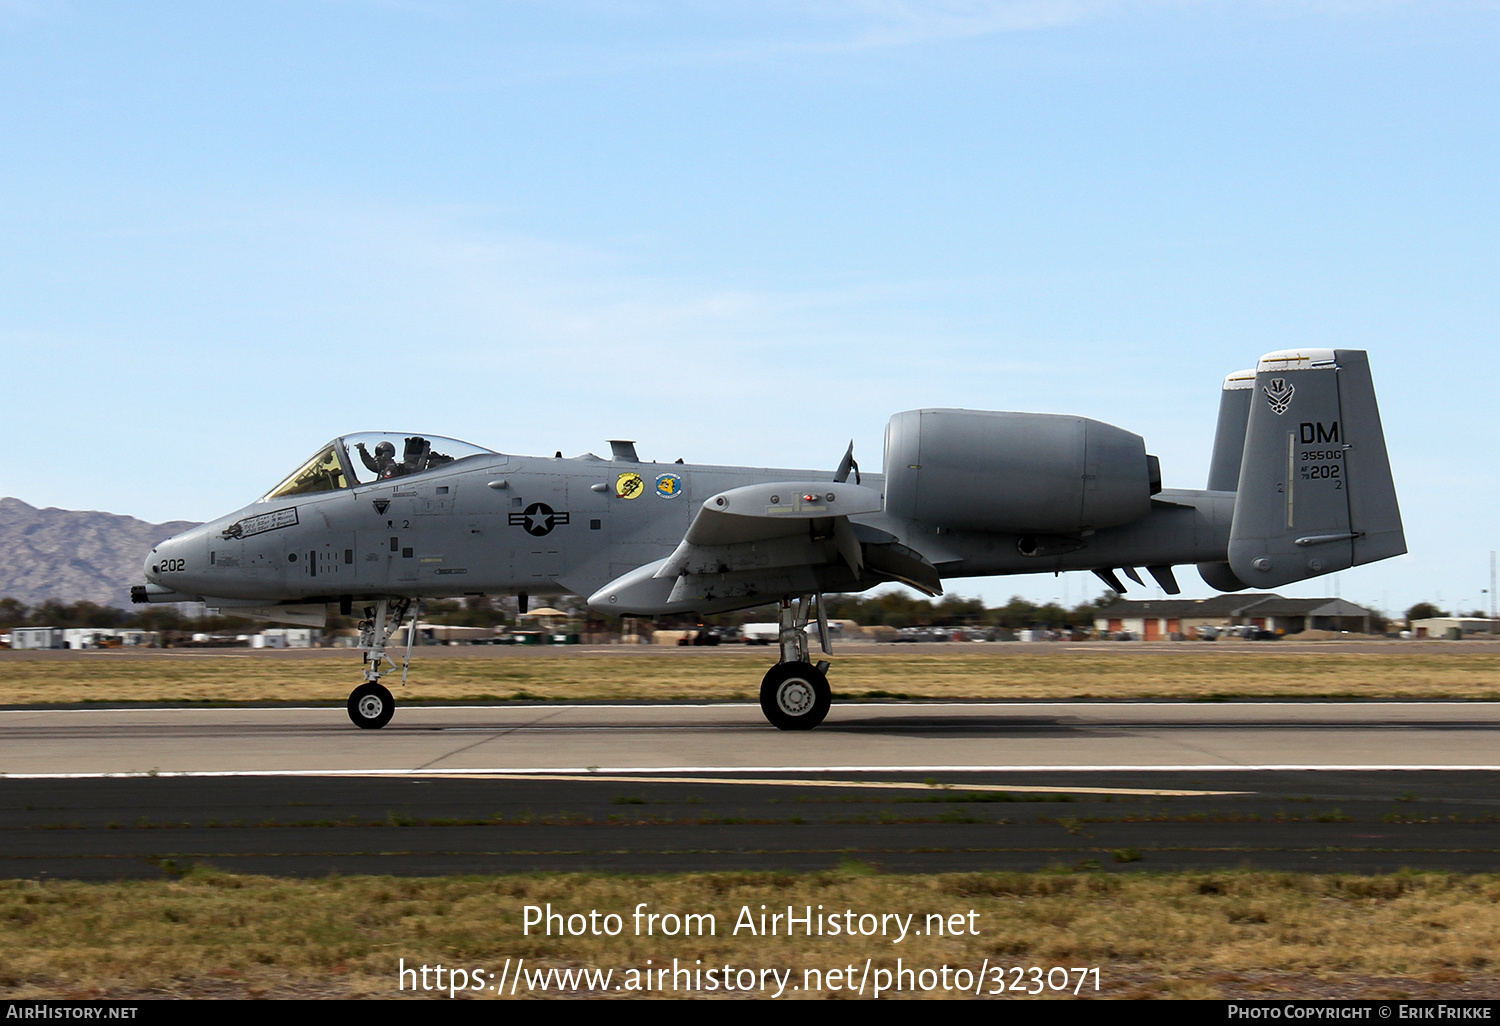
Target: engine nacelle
x: 1015, y: 472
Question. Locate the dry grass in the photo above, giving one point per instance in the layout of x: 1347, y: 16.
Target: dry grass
x: 1184, y: 935
x: 1057, y: 672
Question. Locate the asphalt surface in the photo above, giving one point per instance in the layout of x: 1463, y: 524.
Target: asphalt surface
x: 909, y: 787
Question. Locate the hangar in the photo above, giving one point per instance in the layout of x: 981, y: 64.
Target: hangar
x: 1160, y: 620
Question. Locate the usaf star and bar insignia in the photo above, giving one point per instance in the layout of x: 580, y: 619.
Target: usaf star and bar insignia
x: 539, y: 519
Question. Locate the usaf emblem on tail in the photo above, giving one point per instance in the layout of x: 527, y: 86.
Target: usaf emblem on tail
x: 1279, y: 395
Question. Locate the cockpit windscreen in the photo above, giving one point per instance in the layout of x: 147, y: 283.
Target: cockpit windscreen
x: 372, y: 456
x: 322, y: 473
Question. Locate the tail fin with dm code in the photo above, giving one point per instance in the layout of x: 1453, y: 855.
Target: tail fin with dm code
x: 1314, y: 493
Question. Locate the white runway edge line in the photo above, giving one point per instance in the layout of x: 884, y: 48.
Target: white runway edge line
x: 657, y: 773
x: 647, y: 773
x: 645, y: 777
x: 440, y: 705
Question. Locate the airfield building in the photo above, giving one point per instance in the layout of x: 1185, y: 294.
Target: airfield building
x: 1159, y: 620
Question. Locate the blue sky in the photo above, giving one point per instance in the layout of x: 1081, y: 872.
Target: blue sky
x: 739, y: 233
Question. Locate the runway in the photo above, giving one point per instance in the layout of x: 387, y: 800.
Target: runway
x: 1368, y: 787
x: 902, y: 736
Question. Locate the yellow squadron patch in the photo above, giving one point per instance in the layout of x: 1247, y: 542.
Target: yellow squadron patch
x: 630, y: 486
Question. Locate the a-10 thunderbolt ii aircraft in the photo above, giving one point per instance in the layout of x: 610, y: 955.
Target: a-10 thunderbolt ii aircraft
x: 1299, y: 485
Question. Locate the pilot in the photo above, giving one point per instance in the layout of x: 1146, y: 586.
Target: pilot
x: 384, y: 463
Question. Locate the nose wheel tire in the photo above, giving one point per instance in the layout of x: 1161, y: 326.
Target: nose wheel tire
x: 795, y: 696
x: 371, y: 706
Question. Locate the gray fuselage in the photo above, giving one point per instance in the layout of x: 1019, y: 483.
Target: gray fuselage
x: 496, y: 524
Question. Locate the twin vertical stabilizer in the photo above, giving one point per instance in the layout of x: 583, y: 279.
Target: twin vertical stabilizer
x: 1314, y: 493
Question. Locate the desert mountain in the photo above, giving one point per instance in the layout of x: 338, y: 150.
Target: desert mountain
x: 72, y: 555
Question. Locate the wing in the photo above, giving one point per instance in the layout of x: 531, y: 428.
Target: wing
x: 759, y: 542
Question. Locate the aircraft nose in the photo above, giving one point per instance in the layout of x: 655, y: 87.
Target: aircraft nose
x: 163, y: 560
x: 176, y: 565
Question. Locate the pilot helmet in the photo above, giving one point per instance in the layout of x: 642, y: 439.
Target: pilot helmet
x: 386, y: 449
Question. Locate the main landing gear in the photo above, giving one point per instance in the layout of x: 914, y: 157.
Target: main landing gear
x: 371, y: 704
x: 794, y: 695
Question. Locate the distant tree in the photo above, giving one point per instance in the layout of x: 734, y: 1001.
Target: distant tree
x: 901, y: 609
x: 440, y: 610
x: 1082, y: 615
x: 480, y: 611
x: 13, y: 613
x: 54, y: 613
x: 473, y: 611
x: 160, y: 618
x: 1020, y: 613
x: 1424, y: 611
x: 91, y: 614
x: 955, y: 611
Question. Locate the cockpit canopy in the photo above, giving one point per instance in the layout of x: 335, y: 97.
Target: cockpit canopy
x: 372, y: 456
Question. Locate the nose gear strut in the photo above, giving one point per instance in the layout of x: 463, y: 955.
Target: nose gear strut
x: 371, y: 705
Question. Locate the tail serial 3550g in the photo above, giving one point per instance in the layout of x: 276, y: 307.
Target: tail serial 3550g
x: 1299, y: 485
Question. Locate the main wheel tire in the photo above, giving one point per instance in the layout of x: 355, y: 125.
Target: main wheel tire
x: 371, y: 706
x: 795, y: 696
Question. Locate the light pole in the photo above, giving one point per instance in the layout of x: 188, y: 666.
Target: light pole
x: 1491, y: 591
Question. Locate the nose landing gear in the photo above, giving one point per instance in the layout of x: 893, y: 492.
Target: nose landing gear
x: 371, y: 705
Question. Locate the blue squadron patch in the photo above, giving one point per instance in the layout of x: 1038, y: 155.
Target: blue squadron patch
x: 668, y: 486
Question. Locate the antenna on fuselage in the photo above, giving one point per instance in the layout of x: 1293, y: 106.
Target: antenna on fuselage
x: 847, y: 464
